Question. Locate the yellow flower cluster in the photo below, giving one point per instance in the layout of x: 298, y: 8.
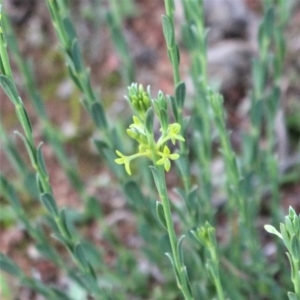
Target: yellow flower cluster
x: 158, y: 151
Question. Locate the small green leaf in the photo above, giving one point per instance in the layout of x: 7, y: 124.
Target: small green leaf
x: 161, y: 215
x: 69, y: 28
x: 182, y: 165
x: 30, y: 151
x: 93, y: 208
x: 273, y: 230
x: 189, y: 36
x: 41, y: 161
x: 180, y: 94
x: 292, y: 212
x: 285, y: 236
x: 24, y: 119
x: 180, y: 248
x: 177, y: 55
x: 75, y: 79
x: 9, y: 88
x: 289, y: 226
x: 186, y: 123
x: 171, y: 4
x: 216, y: 103
x: 134, y: 194
x: 149, y: 120
x: 90, y: 284
x: 10, y: 193
x: 48, y: 252
x: 174, y: 107
x: 39, y: 184
x: 296, y: 224
x: 293, y: 271
x: 76, y: 56
x: 163, y: 117
x: 169, y: 255
x: 168, y: 31
x: 158, y: 179
x: 50, y: 204
x: 295, y: 247
x: 258, y: 78
x: 92, y: 254
x: 109, y: 156
x: 80, y: 256
x: 9, y: 266
x: 292, y: 296
x: 213, y: 270
x: 98, y: 115
x: 269, y: 22
x: 61, y: 239
x: 66, y: 223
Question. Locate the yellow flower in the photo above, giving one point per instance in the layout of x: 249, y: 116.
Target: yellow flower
x: 173, y: 133
x: 166, y: 155
x: 123, y: 160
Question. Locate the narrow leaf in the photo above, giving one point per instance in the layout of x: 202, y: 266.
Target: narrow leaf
x: 292, y: 296
x: 9, y: 266
x: 149, y: 120
x: 295, y: 248
x: 168, y: 31
x: 180, y: 94
x: 285, y: 236
x: 66, y: 223
x: 61, y: 239
x: 161, y: 215
x: 180, y: 248
x: 98, y: 115
x: 293, y: 271
x: 90, y: 284
x: 50, y: 204
x: 10, y: 193
x: 39, y: 184
x: 174, y: 107
x: 9, y: 88
x: 69, y: 28
x: 169, y: 255
x: 80, y: 256
x: 30, y: 151
x: 76, y: 56
x: 41, y: 161
x: 134, y: 194
x: 158, y: 179
x: 24, y: 119
x: 273, y: 230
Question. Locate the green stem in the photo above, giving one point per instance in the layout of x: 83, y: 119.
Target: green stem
x: 296, y: 278
x: 218, y: 283
x: 169, y: 6
x: 163, y: 194
x: 174, y: 59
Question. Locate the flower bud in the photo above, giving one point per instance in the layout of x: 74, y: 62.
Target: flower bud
x: 139, y: 99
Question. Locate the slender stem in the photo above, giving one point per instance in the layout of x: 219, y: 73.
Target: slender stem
x: 296, y: 279
x: 217, y: 280
x: 163, y: 194
x: 169, y: 5
x: 198, y: 68
x: 174, y: 59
